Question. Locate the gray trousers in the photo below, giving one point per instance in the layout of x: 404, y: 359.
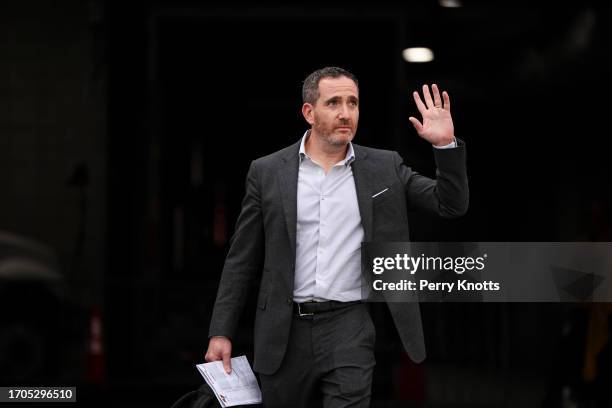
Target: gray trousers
x: 329, y: 358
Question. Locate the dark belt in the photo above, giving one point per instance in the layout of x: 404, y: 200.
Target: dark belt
x: 313, y: 308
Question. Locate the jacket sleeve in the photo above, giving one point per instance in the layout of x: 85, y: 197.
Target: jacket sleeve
x: 447, y: 195
x: 243, y: 261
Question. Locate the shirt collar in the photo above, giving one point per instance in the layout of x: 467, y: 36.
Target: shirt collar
x: 348, y: 159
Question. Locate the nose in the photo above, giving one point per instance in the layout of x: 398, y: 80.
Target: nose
x: 344, y: 112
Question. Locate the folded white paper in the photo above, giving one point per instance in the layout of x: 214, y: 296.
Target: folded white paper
x: 237, y: 388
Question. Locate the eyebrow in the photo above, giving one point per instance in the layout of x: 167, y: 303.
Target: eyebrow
x: 337, y: 98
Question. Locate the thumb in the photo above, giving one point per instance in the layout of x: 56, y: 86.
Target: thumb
x: 227, y: 361
x: 417, y: 125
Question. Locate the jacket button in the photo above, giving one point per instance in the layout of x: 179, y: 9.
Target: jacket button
x: 289, y: 301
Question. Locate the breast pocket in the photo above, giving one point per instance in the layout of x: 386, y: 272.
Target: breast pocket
x: 382, y: 196
x: 389, y: 215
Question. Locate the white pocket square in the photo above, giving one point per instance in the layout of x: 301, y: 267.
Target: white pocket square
x: 379, y: 193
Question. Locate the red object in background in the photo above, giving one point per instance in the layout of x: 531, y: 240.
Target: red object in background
x: 95, y: 349
x: 411, y: 380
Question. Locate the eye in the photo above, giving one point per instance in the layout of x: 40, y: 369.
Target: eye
x: 331, y: 102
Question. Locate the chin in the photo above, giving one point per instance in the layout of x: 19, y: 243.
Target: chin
x: 341, y: 141
x: 338, y: 138
x: 343, y: 138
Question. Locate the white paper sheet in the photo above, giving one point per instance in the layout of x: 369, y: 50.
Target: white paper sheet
x: 237, y: 388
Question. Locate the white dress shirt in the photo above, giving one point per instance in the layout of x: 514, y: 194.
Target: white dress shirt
x: 328, y: 231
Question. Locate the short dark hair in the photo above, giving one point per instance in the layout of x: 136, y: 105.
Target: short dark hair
x: 310, y: 88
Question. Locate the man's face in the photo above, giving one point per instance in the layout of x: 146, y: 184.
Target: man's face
x: 335, y: 114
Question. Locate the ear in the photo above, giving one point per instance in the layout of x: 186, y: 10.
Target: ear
x: 307, y: 112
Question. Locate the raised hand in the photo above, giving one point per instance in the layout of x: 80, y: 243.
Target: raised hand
x: 437, y: 126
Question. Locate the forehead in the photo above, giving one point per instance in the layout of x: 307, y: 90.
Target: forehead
x: 337, y: 86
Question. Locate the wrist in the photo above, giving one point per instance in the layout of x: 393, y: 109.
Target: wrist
x: 444, y: 142
x: 219, y: 337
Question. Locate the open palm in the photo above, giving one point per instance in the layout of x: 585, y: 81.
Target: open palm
x: 437, y: 124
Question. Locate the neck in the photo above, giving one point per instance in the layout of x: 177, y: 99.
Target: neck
x: 323, y: 152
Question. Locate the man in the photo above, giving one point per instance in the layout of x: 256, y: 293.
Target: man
x: 306, y: 211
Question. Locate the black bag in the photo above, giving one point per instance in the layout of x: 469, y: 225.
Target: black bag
x: 203, y: 397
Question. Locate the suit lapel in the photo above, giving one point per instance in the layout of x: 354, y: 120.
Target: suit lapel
x: 362, y: 174
x: 288, y: 179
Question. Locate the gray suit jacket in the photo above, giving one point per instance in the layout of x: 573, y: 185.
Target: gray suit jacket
x: 263, y: 245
